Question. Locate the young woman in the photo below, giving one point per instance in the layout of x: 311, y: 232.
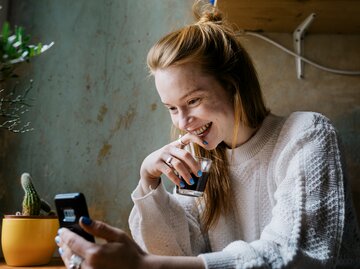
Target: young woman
x: 276, y: 196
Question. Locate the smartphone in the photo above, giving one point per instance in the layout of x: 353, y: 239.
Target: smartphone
x: 70, y: 207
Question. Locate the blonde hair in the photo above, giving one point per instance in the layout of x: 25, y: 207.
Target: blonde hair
x: 212, y: 44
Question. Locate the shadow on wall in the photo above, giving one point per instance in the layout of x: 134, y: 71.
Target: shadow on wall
x: 349, y: 128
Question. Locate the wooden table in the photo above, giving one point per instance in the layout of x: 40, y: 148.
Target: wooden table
x: 56, y: 263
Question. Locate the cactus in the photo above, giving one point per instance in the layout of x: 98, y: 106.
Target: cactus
x: 32, y: 203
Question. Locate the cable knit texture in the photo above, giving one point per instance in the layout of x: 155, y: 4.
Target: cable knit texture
x: 291, y: 205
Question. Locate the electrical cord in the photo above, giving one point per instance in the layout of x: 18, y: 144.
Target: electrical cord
x: 331, y: 70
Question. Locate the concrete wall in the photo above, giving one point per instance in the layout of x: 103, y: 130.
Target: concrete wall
x: 96, y: 113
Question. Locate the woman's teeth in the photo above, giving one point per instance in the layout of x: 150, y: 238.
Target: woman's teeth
x: 202, y: 129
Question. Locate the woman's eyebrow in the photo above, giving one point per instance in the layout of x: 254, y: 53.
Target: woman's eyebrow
x: 192, y: 92
x: 187, y: 95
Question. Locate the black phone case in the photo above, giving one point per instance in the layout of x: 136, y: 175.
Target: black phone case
x: 70, y: 207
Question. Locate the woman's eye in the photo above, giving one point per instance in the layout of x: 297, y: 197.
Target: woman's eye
x: 172, y: 109
x: 193, y: 101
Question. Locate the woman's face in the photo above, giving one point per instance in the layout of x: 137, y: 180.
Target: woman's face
x: 197, y: 103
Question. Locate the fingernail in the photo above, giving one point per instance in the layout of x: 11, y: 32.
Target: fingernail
x: 59, y: 231
x: 61, y: 251
x: 57, y: 239
x: 86, y: 220
x: 199, y: 173
x: 205, y: 142
x: 192, y: 181
x: 182, y: 184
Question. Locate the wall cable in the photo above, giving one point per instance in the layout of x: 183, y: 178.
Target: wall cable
x: 331, y: 70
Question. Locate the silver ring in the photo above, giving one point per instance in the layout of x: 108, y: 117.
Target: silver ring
x: 75, y: 262
x: 168, y: 161
x: 181, y: 142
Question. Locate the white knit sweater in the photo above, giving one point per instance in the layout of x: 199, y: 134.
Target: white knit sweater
x: 291, y: 208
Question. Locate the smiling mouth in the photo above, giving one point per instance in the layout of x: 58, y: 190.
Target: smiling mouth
x: 202, y: 130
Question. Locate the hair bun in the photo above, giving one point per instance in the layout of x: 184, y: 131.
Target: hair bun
x: 211, y: 17
x: 205, y: 12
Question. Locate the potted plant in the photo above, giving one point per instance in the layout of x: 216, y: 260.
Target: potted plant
x: 14, y: 50
x: 28, y: 237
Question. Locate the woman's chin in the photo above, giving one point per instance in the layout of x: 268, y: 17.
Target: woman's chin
x: 211, y: 145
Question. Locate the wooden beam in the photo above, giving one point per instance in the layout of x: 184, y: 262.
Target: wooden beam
x: 332, y: 16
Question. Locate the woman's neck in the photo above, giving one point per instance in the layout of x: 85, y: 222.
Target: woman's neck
x: 245, y: 134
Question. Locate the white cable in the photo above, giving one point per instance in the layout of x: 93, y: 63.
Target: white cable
x: 336, y: 71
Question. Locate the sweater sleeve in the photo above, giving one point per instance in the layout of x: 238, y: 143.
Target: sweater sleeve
x: 307, y: 221
x: 164, y: 225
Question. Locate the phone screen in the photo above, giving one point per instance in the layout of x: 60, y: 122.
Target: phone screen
x: 70, y: 207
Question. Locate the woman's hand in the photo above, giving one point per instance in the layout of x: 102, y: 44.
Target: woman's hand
x: 169, y: 160
x: 119, y: 251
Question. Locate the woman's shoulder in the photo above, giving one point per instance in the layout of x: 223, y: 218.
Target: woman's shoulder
x: 301, y: 127
x: 303, y: 121
x: 302, y: 134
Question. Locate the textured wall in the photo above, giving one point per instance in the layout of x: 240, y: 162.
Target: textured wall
x: 96, y: 113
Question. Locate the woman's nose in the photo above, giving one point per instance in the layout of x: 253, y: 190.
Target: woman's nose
x: 184, y: 120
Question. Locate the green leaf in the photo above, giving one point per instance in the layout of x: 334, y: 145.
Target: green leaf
x: 31, y: 51
x: 19, y: 32
x: 15, y: 48
x: 38, y: 49
x: 5, y: 32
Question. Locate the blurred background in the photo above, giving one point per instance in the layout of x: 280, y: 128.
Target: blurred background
x: 96, y: 113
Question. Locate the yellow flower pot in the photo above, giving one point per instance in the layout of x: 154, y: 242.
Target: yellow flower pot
x: 28, y: 240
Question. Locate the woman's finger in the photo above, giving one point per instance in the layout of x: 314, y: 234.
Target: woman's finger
x: 168, y: 169
x: 181, y: 169
x: 72, y: 242
x: 66, y: 255
x: 188, y: 138
x: 64, y: 251
x: 181, y: 143
x: 173, y: 161
x: 107, y: 232
x: 184, y: 163
x: 102, y: 230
